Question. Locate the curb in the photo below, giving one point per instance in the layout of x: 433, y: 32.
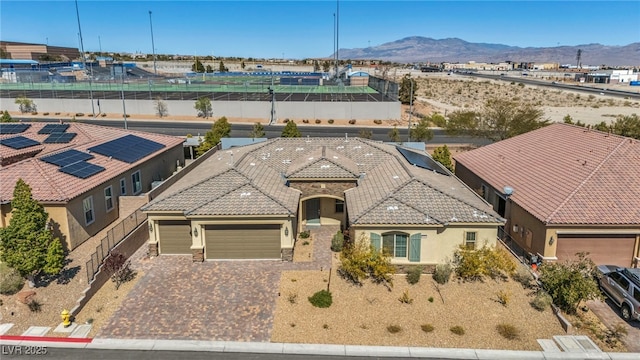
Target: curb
x: 305, y: 349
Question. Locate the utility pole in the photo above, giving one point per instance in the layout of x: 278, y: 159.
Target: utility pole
x: 153, y: 47
x: 273, y: 101
x: 335, y: 61
x: 124, y: 108
x: 100, y: 45
x: 410, y: 108
x: 84, y: 61
x: 337, y: 34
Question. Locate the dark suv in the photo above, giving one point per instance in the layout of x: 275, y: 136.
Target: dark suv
x: 622, y: 286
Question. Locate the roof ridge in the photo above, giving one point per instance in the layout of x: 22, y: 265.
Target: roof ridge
x: 586, y: 180
x: 315, y: 161
x: 44, y: 175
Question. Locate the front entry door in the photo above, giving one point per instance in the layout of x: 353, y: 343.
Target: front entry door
x: 312, y: 210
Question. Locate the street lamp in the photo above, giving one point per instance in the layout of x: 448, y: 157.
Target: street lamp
x: 410, y: 107
x: 84, y: 62
x: 124, y: 109
x: 153, y: 47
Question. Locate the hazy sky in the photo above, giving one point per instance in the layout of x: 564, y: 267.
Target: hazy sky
x: 300, y: 29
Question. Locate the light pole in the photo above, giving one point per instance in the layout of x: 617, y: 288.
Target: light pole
x: 84, y: 62
x: 334, y: 44
x: 153, y: 47
x: 410, y: 108
x: 124, y: 108
x: 100, y: 45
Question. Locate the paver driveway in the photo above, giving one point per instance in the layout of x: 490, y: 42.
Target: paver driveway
x: 609, y: 314
x: 211, y: 300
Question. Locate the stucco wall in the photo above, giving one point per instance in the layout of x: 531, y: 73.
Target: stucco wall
x: 438, y: 244
x: 246, y: 109
x: 531, y: 233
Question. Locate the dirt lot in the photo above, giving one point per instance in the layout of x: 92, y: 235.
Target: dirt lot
x: 361, y: 315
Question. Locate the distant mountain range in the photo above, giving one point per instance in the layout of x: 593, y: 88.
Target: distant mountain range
x: 424, y: 49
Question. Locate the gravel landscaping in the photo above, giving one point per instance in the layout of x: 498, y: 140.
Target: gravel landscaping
x: 362, y: 315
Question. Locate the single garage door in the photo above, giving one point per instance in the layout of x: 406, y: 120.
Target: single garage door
x: 603, y: 249
x: 242, y: 242
x: 174, y: 237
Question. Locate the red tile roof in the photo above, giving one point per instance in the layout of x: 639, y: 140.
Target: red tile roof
x: 50, y: 185
x: 565, y: 174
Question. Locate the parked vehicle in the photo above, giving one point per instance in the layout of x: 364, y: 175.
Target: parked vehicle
x: 622, y: 286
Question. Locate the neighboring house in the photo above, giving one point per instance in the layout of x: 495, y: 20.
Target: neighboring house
x: 249, y: 202
x: 574, y: 190
x: 79, y: 171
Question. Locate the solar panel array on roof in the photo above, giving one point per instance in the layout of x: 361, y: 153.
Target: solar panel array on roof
x: 129, y: 148
x: 422, y: 160
x: 59, y: 138
x: 81, y: 169
x: 53, y: 128
x: 67, y: 157
x: 18, y: 142
x: 13, y: 128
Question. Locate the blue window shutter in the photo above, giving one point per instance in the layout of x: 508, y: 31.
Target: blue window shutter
x: 376, y: 241
x: 414, y: 247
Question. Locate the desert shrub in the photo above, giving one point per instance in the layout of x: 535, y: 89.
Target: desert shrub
x: 57, y: 113
x: 430, y: 299
x: 318, y: 121
x: 325, y: 326
x: 321, y: 299
x: 304, y: 235
x: 90, y: 321
x: 286, y: 121
x: 413, y: 274
x: 508, y: 331
x: 476, y: 264
x: 10, y: 280
x: 305, y: 121
x: 458, y: 330
x: 352, y: 121
x: 118, y: 268
x: 427, y: 328
x: 542, y: 301
x: 34, y: 113
x: 377, y: 121
x: 442, y: 273
x: 504, y: 297
x: 103, y: 115
x: 337, y: 242
x: 305, y: 243
x: 523, y: 276
x: 34, y: 305
x: 405, y: 298
x: 79, y: 114
x: 360, y: 260
x: 570, y: 282
x: 45, y: 113
x: 330, y: 121
x: 394, y: 329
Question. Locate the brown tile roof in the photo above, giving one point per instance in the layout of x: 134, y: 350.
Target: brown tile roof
x: 565, y: 174
x: 251, y: 180
x: 48, y: 184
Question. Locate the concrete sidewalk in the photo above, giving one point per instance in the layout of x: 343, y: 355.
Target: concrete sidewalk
x: 321, y: 349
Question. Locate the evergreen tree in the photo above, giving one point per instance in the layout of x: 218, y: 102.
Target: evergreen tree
x: 404, y: 93
x: 257, y: 131
x: 197, y: 67
x: 209, y: 69
x: 221, y: 128
x: 203, y: 105
x: 6, y: 117
x: 26, y: 244
x: 291, y: 130
x: 222, y: 68
x: 443, y: 156
x: 394, y: 134
x: 421, y: 132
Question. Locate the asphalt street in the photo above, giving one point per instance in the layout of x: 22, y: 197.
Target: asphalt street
x: 182, y: 128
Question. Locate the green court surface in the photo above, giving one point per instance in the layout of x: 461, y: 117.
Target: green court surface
x: 193, y: 87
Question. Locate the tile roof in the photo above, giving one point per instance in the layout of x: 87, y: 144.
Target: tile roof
x: 47, y: 183
x: 251, y: 180
x: 565, y: 174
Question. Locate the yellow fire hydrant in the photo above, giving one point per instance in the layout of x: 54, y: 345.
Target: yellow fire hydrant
x: 66, y: 318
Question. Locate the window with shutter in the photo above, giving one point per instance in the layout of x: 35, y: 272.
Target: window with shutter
x: 414, y: 247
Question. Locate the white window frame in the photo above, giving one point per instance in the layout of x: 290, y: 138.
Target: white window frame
x: 108, y: 198
x: 468, y: 242
x: 123, y: 186
x: 395, y: 244
x: 87, y: 207
x: 134, y: 182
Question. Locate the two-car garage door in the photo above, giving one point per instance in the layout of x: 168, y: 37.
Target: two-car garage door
x: 603, y: 249
x: 242, y: 241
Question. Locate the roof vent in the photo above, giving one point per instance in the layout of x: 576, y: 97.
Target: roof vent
x: 340, y: 147
x: 279, y: 149
x: 299, y: 149
x: 287, y: 161
x: 335, y: 157
x: 454, y: 218
x: 253, y: 164
x: 325, y: 166
x: 396, y: 177
x: 357, y: 147
x: 311, y: 158
x: 245, y: 194
x: 392, y: 208
x: 368, y: 154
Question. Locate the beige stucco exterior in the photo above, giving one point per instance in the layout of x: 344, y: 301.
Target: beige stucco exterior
x: 438, y: 243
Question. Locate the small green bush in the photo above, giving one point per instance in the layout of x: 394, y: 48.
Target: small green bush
x: 304, y: 235
x: 79, y: 114
x: 427, y: 328
x: 293, y: 298
x: 10, y: 280
x: 330, y: 121
x: 377, y: 121
x: 405, y: 298
x: 430, y: 299
x: 325, y: 326
x: 34, y: 306
x: 103, y: 115
x: 458, y: 330
x: 337, y: 242
x: 305, y: 121
x: 321, y: 299
x: 45, y: 113
x: 413, y: 274
x: 394, y: 329
x: 305, y: 243
x: 542, y: 301
x: 352, y: 121
x: 442, y: 273
x: 318, y: 121
x: 508, y: 331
